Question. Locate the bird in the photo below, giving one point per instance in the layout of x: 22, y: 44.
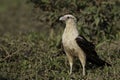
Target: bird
x: 76, y: 45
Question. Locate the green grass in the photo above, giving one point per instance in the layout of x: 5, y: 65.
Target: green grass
x: 31, y: 56
x: 28, y: 52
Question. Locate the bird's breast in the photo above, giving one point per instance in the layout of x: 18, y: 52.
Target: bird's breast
x: 69, y: 42
x: 70, y: 46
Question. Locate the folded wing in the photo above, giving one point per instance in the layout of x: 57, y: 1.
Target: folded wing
x: 89, y: 49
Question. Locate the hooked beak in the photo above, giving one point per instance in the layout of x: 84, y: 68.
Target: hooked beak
x: 62, y: 18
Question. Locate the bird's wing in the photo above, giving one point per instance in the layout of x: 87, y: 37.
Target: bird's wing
x: 86, y: 45
x: 89, y: 50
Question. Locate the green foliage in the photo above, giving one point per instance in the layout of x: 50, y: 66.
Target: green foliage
x: 97, y: 17
x: 33, y: 56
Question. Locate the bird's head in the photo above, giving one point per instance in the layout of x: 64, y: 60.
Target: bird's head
x: 68, y: 18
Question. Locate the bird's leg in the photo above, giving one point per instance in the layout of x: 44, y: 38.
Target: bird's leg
x: 83, y: 66
x: 83, y: 62
x: 70, y: 59
x: 71, y: 64
x: 83, y: 70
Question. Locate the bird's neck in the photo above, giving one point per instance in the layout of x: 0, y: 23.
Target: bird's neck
x: 71, y: 29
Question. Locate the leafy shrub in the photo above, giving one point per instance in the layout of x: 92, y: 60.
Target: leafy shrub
x: 98, y: 18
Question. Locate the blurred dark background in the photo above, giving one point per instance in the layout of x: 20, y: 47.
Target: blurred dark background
x: 97, y: 18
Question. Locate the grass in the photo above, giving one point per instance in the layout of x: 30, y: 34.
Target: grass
x: 30, y: 56
x: 27, y: 52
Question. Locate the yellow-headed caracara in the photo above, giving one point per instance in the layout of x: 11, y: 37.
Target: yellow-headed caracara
x: 76, y: 45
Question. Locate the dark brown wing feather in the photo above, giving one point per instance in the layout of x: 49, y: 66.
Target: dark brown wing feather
x: 89, y: 49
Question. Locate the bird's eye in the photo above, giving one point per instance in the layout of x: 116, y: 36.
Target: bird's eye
x: 68, y: 17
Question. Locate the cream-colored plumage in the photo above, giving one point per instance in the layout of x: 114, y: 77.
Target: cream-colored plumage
x: 68, y: 39
x: 76, y: 45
